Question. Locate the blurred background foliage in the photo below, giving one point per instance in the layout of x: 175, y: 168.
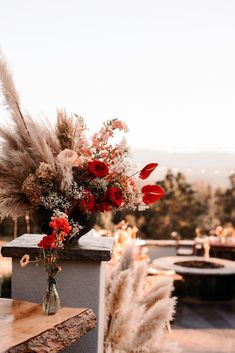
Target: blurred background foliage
x: 185, y: 208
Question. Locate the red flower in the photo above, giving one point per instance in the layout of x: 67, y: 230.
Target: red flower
x: 114, y: 195
x: 88, y: 201
x: 103, y: 206
x: 61, y: 224
x: 147, y: 170
x: 152, y: 193
x: 98, y: 169
x: 48, y: 242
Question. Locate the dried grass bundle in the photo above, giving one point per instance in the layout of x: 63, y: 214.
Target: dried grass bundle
x: 65, y: 130
x: 127, y: 260
x: 139, y: 276
x: 135, y: 321
x: 121, y: 334
x: 10, y: 96
x: 162, y: 289
x: 153, y: 323
x: 117, y: 297
x: 24, y: 145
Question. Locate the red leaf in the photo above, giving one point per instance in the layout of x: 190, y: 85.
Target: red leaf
x: 147, y: 170
x: 152, y: 193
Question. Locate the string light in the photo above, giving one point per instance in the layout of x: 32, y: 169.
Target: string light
x: 202, y: 171
x: 189, y: 170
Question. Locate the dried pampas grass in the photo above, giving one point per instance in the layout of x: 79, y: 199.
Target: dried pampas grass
x: 139, y: 276
x: 24, y: 145
x: 153, y: 323
x: 127, y: 260
x: 135, y: 321
x: 162, y: 289
x: 65, y: 130
x: 10, y: 96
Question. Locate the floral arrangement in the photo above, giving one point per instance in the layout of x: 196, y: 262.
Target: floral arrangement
x: 60, y: 176
x: 87, y: 178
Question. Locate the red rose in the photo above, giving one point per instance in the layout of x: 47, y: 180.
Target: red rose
x: 61, y: 224
x: 147, y: 170
x: 152, y: 193
x: 48, y: 242
x: 98, y: 169
x: 114, y: 195
x: 103, y: 206
x: 87, y: 204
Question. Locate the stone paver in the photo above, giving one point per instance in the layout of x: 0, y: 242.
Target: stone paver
x: 205, y: 327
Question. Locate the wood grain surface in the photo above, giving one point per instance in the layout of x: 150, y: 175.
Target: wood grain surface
x: 25, y: 328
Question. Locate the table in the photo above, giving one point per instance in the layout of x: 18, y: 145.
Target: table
x: 80, y: 285
x: 24, y: 327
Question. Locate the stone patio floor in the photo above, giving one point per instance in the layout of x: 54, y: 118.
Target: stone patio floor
x: 205, y: 327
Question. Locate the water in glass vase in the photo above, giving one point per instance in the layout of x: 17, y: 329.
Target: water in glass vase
x: 51, y: 300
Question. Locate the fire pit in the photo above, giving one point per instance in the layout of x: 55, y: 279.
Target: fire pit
x: 208, y: 279
x: 199, y: 264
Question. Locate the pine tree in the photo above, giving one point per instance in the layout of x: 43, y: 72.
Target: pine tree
x: 225, y: 203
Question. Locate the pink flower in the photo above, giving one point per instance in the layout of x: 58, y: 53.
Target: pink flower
x: 119, y: 124
x: 80, y: 161
x: 67, y: 156
x: 104, y: 154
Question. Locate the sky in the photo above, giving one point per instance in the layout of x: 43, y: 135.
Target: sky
x: 167, y: 68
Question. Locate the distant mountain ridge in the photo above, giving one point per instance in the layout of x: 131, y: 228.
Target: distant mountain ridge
x: 208, y: 167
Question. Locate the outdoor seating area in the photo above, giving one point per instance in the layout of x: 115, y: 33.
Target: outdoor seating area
x: 117, y: 176
x: 187, y: 269
x: 205, y: 295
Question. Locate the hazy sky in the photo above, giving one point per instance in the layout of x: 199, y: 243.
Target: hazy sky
x: 165, y: 67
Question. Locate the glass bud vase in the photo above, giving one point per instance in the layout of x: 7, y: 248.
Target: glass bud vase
x: 51, y: 300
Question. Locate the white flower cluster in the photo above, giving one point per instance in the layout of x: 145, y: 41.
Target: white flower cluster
x: 75, y: 191
x: 76, y: 228
x: 133, y: 198
x: 58, y: 214
x: 53, y: 200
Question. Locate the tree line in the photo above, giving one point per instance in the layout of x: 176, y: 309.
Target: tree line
x: 185, y: 208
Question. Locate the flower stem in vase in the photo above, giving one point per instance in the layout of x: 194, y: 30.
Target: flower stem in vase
x: 51, y: 300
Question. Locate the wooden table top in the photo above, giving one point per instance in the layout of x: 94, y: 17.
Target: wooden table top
x: 24, y: 327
